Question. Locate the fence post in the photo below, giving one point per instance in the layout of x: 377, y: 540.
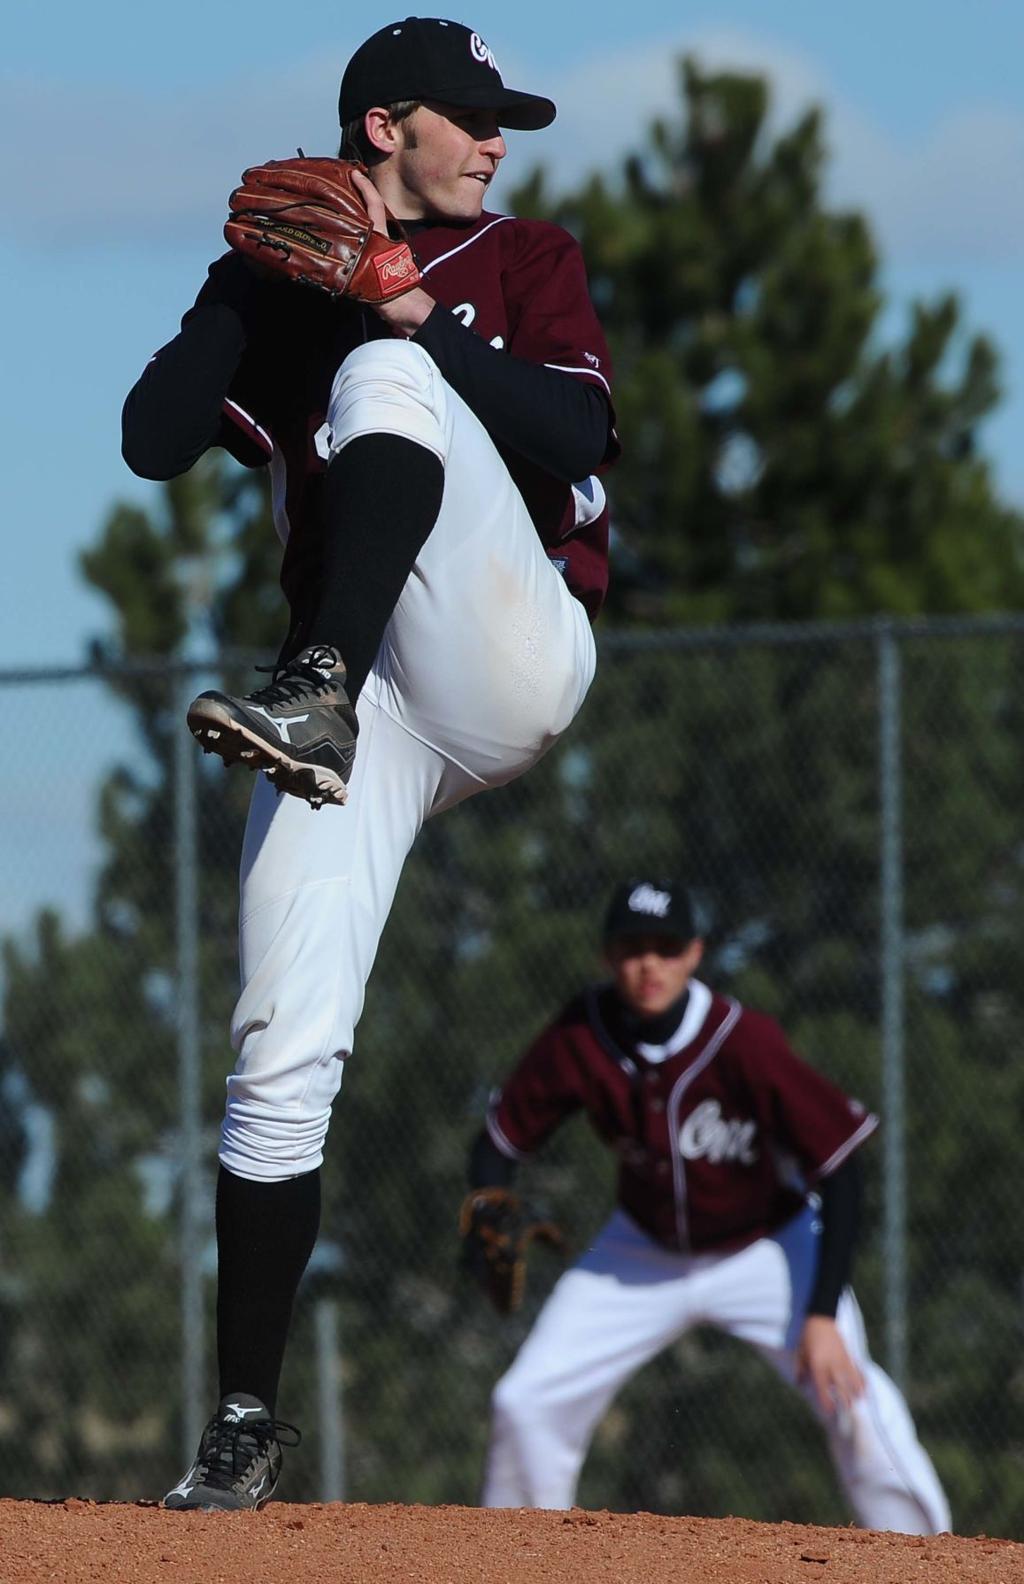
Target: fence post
x: 332, y: 1439
x: 186, y: 867
x: 892, y: 1001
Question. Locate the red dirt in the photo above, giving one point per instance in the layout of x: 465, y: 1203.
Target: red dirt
x: 79, y: 1542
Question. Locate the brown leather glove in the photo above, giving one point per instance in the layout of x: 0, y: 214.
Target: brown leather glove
x: 496, y: 1230
x: 305, y: 219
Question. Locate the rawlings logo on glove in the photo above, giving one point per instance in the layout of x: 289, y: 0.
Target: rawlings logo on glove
x: 306, y: 220
x: 496, y: 1230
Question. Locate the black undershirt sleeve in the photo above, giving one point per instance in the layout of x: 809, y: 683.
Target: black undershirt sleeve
x: 841, y: 1195
x: 488, y: 1167
x: 555, y: 420
x: 173, y: 413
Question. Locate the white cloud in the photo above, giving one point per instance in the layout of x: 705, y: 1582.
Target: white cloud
x: 953, y: 193
x: 111, y: 167
x: 957, y: 195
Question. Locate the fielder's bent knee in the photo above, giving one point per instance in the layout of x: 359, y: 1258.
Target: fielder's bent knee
x: 510, y: 1418
x: 388, y: 387
x: 515, y: 1403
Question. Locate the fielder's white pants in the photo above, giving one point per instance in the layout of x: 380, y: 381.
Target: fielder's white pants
x: 485, y: 661
x: 626, y: 1300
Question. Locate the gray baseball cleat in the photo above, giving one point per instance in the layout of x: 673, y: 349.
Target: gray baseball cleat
x: 300, y: 729
x: 239, y: 1459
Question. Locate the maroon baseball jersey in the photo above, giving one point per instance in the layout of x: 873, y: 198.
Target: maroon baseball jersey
x: 720, y: 1133
x: 520, y: 284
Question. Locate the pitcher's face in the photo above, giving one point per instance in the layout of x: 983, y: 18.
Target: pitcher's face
x: 443, y: 162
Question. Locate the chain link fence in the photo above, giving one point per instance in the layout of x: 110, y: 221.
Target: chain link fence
x: 845, y: 802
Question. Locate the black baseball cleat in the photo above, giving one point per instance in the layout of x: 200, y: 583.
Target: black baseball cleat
x: 300, y: 729
x: 238, y: 1463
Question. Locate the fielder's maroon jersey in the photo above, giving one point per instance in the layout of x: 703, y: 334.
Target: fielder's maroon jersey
x: 718, y: 1141
x: 519, y: 284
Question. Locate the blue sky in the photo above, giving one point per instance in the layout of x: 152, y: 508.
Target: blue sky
x: 126, y: 126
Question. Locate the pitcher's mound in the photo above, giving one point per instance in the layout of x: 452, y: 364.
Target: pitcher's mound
x: 80, y: 1542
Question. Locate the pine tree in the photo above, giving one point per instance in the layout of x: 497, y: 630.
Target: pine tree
x: 780, y: 462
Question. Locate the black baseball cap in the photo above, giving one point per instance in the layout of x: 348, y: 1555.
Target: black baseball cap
x: 650, y: 907
x: 429, y: 58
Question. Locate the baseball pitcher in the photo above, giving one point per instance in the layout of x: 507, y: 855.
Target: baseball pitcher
x: 738, y: 1199
x: 429, y: 389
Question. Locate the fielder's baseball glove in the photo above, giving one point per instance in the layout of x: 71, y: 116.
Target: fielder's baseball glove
x: 306, y: 219
x: 496, y: 1230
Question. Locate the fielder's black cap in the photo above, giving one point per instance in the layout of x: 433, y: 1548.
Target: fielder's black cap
x: 650, y: 907
x: 428, y: 58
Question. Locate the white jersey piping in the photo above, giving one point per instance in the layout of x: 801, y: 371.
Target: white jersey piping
x: 250, y: 420
x: 865, y: 1130
x: 500, y: 1142
x: 468, y: 243
x: 675, y: 1100
x: 565, y: 368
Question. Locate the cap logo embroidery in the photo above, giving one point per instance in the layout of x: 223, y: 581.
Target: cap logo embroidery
x: 645, y: 899
x: 480, y: 52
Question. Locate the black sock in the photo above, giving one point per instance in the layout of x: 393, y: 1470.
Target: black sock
x: 265, y: 1235
x: 382, y: 495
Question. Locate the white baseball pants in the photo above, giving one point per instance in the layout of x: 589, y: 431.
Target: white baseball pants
x: 485, y: 661
x: 626, y: 1300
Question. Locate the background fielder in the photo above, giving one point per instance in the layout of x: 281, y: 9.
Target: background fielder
x: 720, y: 1129
x: 431, y: 460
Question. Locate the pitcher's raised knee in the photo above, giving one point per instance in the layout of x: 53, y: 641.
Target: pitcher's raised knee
x: 389, y: 387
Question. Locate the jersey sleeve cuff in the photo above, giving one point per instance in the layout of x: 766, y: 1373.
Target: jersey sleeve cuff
x: 500, y: 1139
x: 247, y: 426
x: 583, y: 372
x: 835, y: 1160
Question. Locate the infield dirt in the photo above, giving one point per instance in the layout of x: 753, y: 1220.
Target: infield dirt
x: 80, y: 1542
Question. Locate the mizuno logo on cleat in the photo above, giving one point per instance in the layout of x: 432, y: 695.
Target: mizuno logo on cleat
x: 238, y: 1412
x: 281, y: 727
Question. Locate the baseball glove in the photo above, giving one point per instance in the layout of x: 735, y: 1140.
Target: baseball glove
x: 306, y: 220
x: 497, y: 1229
